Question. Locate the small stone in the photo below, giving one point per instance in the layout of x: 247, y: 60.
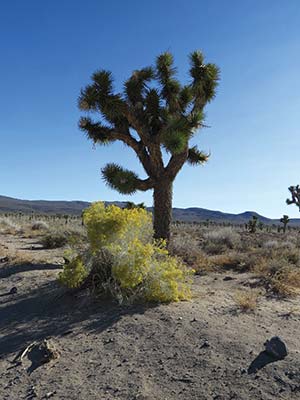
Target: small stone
x: 205, y: 344
x: 67, y: 332
x: 276, y: 348
x: 49, y: 394
x: 228, y: 278
x: 110, y: 340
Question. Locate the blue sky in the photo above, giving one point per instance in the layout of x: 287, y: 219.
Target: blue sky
x: 50, y: 49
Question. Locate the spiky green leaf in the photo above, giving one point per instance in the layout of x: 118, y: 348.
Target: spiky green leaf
x: 103, y: 81
x: 136, y: 85
x: 196, y: 156
x: 152, y: 103
x: 205, y: 79
x: 165, y: 69
x: 88, y: 99
x: 174, y: 141
x: 120, y: 179
x: 195, y: 120
x: 185, y: 97
x: 97, y: 132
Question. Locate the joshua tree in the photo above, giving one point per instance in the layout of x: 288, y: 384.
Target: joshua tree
x: 260, y: 226
x: 252, y: 224
x: 295, y: 193
x: 285, y: 220
x: 154, y: 113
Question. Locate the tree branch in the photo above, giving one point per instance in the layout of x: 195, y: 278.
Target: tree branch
x: 123, y: 180
x: 175, y: 164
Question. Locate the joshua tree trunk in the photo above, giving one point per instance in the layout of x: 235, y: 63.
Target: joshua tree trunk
x: 162, y: 196
x: 284, y: 227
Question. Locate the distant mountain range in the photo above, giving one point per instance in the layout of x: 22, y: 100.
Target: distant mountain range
x: 9, y: 204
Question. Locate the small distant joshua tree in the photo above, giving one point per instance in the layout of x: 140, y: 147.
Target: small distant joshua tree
x: 252, y: 224
x: 284, y: 220
x: 295, y: 193
x: 260, y: 226
x: 155, y: 112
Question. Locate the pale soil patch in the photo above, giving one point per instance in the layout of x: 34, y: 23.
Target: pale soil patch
x: 192, y: 350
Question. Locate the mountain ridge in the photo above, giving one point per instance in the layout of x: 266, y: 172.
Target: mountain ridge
x: 75, y: 207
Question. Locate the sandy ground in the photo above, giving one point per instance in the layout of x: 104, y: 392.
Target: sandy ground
x: 202, y: 349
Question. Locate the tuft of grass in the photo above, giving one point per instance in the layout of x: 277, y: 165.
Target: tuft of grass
x: 246, y: 300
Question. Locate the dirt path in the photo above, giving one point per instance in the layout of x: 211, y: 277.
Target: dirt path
x: 193, y: 350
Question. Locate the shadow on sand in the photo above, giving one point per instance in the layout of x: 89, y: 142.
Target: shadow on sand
x: 7, y: 271
x: 261, y: 361
x: 50, y: 311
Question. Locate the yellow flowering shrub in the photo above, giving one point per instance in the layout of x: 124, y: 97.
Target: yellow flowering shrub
x: 168, y: 280
x: 109, y: 225
x: 141, y: 269
x: 73, y: 273
x: 132, y: 265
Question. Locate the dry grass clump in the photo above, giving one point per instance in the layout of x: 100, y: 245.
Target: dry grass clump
x: 246, y: 300
x: 7, y: 226
x: 220, y: 240
x: 273, y: 257
x: 187, y: 248
x: 276, y: 244
x: 233, y: 260
x: 183, y: 244
x: 39, y: 225
x: 278, y: 275
x: 190, y: 250
x: 286, y: 282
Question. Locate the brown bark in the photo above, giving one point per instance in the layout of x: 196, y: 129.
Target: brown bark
x: 162, y: 209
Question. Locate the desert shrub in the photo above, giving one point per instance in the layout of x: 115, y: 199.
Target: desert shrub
x: 246, y: 300
x: 278, y: 275
x: 271, y: 244
x: 188, y: 249
x: 39, y: 225
x: 9, y: 227
x: 54, y: 240
x: 275, y: 244
x: 99, y: 279
x: 220, y: 240
x: 73, y: 274
x: 182, y: 244
x: 231, y: 260
x: 286, y: 281
x: 77, y: 239
x: 138, y: 268
x: 292, y: 255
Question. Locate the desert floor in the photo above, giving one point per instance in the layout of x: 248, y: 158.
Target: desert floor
x: 202, y: 349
